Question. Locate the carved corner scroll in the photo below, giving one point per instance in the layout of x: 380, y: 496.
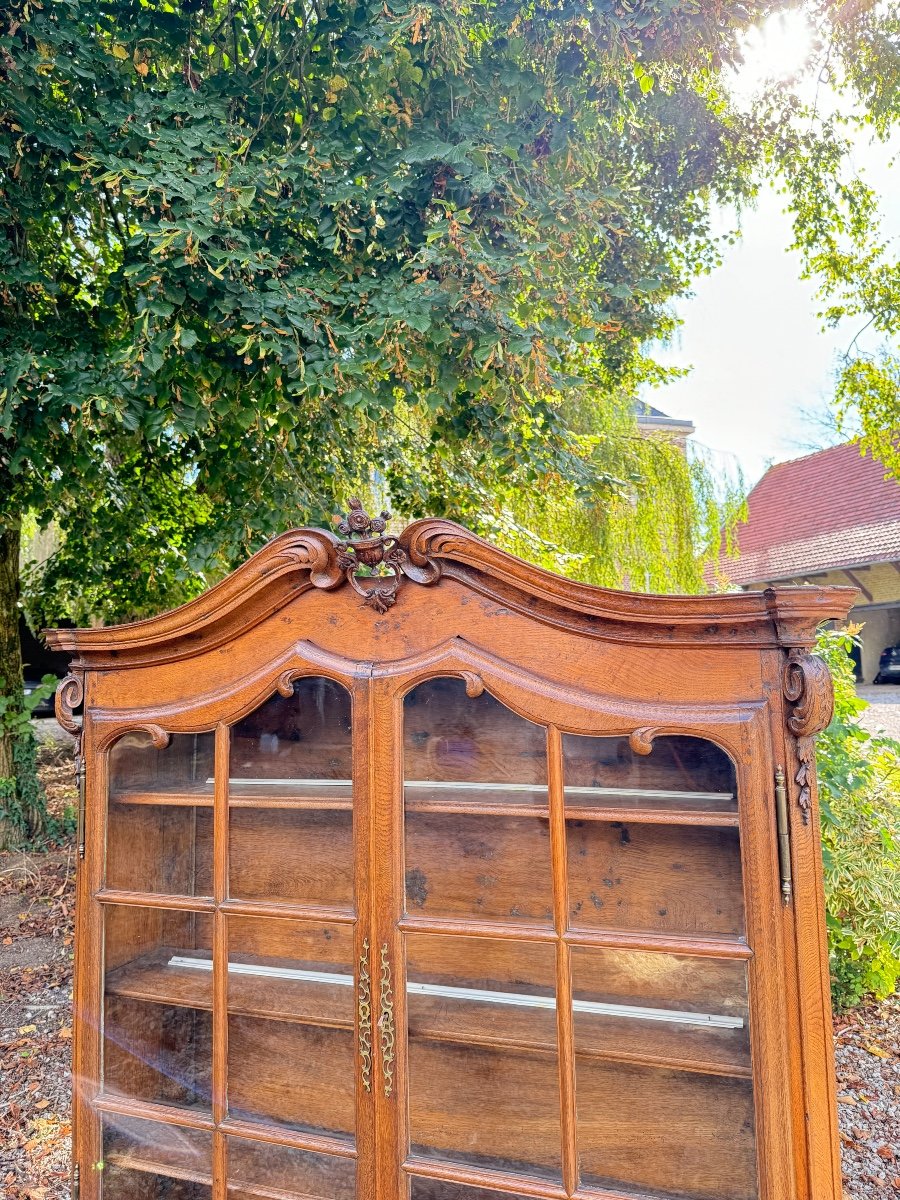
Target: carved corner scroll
x: 69, y: 696
x: 159, y: 737
x: 474, y: 683
x: 641, y: 740
x: 807, y: 687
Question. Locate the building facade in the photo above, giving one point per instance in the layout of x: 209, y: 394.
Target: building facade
x: 830, y: 517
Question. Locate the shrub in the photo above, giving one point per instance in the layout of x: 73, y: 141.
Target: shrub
x: 859, y: 796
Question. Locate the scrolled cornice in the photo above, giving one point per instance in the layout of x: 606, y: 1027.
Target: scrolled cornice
x: 371, y: 565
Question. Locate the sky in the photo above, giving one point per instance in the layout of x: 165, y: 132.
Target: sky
x: 761, y: 361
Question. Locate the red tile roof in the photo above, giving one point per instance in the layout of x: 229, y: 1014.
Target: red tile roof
x: 829, y: 510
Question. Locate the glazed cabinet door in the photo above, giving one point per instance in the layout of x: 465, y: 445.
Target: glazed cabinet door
x: 567, y: 960
x: 234, y: 1055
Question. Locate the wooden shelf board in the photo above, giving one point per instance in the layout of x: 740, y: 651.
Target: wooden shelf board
x: 703, y: 945
x: 147, y: 1164
x: 448, y: 807
x: 607, y: 804
x: 153, y: 980
x: 692, y: 1066
x: 150, y: 1166
x: 511, y: 1183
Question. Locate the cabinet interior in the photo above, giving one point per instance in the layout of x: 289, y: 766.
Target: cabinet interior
x: 570, y: 936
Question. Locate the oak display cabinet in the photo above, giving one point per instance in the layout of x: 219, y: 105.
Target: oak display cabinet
x: 413, y: 872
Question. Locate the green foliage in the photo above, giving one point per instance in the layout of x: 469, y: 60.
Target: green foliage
x: 837, y: 216
x: 653, y: 531
x: 21, y: 796
x: 859, y: 796
x: 254, y: 251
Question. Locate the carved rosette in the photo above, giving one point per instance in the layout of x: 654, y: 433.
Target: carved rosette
x: 367, y: 547
x: 807, y: 687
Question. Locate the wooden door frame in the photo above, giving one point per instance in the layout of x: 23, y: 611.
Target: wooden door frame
x: 215, y: 711
x: 741, y: 729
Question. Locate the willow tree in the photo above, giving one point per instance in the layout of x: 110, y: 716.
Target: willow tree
x: 254, y: 252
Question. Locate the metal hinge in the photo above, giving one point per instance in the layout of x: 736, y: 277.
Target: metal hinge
x: 76, y: 1181
x: 784, y: 836
x: 80, y: 775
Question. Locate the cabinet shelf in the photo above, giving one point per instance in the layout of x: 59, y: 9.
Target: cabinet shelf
x: 164, y: 978
x: 325, y: 998
x: 147, y: 1164
x: 647, y: 805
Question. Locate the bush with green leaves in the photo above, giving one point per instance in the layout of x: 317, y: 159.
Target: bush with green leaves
x: 859, y: 798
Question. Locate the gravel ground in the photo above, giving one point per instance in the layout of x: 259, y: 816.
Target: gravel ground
x: 883, y: 713
x: 867, y: 1049
x: 35, y: 1024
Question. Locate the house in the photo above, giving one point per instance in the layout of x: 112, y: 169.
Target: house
x: 652, y: 422
x: 828, y: 518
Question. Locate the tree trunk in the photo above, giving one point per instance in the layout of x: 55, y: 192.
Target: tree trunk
x: 15, y: 756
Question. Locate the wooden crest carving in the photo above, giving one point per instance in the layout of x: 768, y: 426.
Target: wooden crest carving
x: 808, y: 689
x: 369, y: 549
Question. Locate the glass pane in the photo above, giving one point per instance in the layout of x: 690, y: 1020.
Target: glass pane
x: 145, y: 1160
x: 157, y: 1028
x: 477, y: 830
x: 669, y: 1134
x: 290, y: 1074
x: 292, y: 970
x: 478, y: 868
x: 259, y: 1168
x: 684, y: 774
x: 667, y: 1008
x: 159, y: 837
x: 481, y: 990
x: 673, y: 879
x: 290, y: 795
x: 440, y: 1189
x: 653, y: 846
x: 291, y: 1011
x: 483, y: 1073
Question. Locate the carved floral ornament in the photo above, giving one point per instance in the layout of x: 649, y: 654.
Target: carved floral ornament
x: 368, y: 548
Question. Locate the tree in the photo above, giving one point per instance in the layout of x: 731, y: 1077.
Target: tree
x: 837, y: 219
x: 254, y: 251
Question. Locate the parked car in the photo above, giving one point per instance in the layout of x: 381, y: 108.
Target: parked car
x: 889, y: 665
